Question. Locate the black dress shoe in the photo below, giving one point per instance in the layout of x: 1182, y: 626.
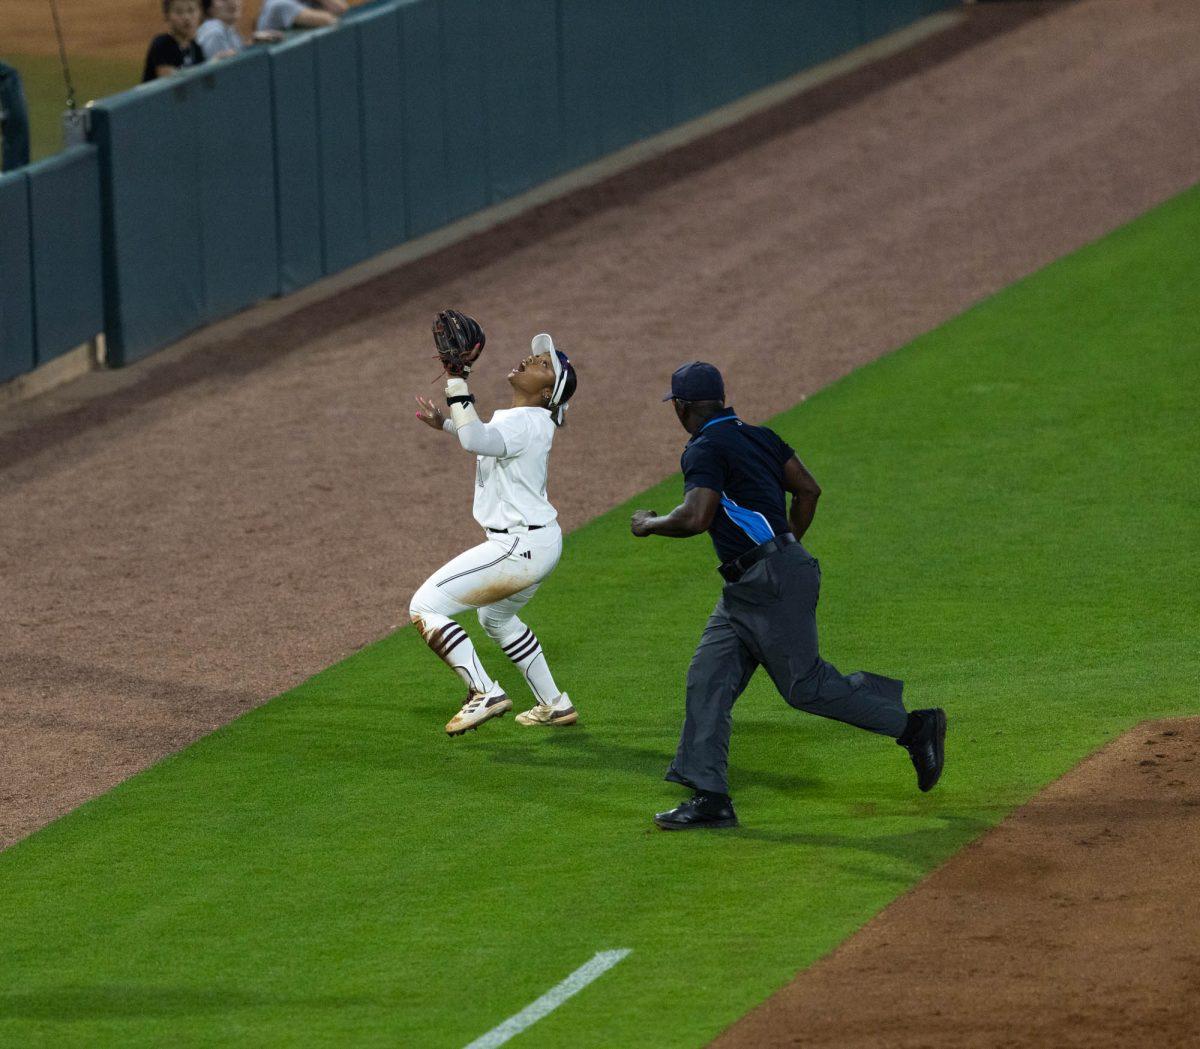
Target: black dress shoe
x: 924, y: 737
x: 703, y: 810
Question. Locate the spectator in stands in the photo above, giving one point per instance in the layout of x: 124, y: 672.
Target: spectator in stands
x: 14, y: 121
x: 218, y: 36
x: 175, y: 49
x: 282, y: 15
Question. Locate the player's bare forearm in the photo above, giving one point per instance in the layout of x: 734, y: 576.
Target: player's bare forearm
x: 805, y: 493
x: 691, y: 517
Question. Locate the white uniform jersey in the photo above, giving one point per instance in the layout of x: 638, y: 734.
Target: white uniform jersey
x: 510, y: 491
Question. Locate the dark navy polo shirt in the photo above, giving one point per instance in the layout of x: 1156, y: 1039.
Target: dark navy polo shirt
x: 745, y: 464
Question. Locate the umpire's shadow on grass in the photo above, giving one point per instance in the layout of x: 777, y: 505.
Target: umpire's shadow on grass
x: 131, y: 1000
x: 577, y: 750
x: 922, y: 846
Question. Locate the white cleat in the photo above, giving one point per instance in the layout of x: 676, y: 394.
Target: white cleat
x: 476, y: 710
x: 561, y: 713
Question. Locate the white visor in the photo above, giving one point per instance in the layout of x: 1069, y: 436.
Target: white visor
x: 544, y: 344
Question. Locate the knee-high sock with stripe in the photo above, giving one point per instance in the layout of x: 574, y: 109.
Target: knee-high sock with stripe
x: 521, y: 645
x: 451, y: 644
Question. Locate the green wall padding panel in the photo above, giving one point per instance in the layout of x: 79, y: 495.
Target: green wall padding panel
x: 236, y: 185
x: 462, y: 57
x: 297, y: 170
x: 424, y: 160
x: 64, y: 209
x: 382, y: 95
x: 154, y: 269
x: 615, y: 75
x: 340, y: 149
x: 189, y: 202
x: 16, y: 277
x: 522, y: 90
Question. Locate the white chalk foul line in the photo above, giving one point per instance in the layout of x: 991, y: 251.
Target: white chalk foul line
x: 551, y: 1000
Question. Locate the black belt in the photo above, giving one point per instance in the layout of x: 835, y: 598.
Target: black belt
x: 739, y: 566
x: 504, y: 531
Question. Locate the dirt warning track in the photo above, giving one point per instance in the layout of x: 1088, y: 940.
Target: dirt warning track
x: 189, y: 537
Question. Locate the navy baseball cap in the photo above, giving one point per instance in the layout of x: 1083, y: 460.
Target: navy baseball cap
x: 696, y: 381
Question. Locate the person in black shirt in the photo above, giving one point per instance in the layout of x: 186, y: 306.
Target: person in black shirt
x: 14, y: 120
x: 735, y: 477
x: 177, y: 48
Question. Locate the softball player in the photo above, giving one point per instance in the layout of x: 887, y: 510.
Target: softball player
x: 522, y: 539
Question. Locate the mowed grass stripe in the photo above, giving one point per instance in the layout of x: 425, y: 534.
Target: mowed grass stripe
x: 1009, y: 523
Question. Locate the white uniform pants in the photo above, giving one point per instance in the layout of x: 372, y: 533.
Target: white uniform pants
x: 496, y: 578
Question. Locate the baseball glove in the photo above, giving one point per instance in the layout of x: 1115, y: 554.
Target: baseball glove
x: 459, y: 340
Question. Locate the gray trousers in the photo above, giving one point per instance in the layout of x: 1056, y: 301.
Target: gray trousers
x: 769, y: 618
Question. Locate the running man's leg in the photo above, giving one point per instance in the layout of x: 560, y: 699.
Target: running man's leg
x: 719, y: 673
x: 774, y: 607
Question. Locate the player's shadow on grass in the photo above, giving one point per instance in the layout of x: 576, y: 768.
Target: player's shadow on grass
x: 577, y: 750
x: 130, y: 1000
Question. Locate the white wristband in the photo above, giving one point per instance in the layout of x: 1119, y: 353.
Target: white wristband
x: 461, y: 414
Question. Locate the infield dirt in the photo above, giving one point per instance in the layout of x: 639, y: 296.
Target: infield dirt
x: 1070, y: 924
x: 203, y: 531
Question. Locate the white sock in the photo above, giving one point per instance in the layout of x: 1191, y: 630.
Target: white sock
x: 525, y: 651
x: 450, y: 643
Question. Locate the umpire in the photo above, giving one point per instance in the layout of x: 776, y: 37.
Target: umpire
x: 734, y: 480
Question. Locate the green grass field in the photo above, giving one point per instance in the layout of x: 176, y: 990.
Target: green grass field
x: 1009, y: 523
x: 46, y: 95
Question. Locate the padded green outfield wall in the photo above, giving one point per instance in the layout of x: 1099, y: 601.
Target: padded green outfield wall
x: 50, y: 267
x: 256, y: 176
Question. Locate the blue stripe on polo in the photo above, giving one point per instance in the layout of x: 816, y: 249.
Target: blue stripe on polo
x: 731, y: 418
x: 751, y: 522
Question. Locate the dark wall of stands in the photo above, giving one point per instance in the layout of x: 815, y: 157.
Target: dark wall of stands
x: 256, y: 176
